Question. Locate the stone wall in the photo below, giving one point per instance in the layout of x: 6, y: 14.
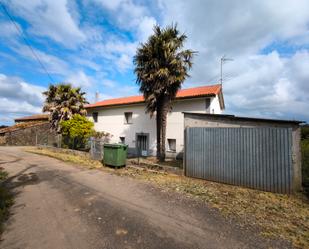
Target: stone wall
x: 30, y: 136
x: 2, y: 140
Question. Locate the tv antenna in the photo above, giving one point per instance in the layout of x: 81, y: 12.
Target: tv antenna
x: 223, y: 60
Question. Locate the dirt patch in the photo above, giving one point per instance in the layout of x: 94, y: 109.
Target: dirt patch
x: 275, y: 215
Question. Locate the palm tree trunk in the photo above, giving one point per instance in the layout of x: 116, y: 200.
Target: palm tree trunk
x: 165, y: 108
x: 158, y: 119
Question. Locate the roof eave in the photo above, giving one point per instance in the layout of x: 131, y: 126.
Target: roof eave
x: 140, y: 102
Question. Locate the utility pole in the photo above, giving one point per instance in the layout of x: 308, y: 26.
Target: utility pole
x: 223, y: 59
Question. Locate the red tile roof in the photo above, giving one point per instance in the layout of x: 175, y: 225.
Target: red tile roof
x: 184, y: 93
x: 33, y: 117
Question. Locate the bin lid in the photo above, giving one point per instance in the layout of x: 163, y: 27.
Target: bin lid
x: 115, y: 145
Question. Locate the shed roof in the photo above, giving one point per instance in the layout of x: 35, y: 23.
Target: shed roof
x: 233, y: 117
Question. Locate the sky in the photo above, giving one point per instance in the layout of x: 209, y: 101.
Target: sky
x: 91, y: 44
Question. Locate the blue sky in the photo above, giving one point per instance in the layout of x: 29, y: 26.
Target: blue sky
x: 92, y: 43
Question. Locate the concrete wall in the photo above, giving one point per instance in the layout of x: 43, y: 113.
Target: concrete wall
x: 111, y: 119
x: 191, y: 120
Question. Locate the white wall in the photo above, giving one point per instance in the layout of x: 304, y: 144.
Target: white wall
x: 112, y: 120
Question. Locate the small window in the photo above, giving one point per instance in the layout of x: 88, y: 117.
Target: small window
x: 122, y: 140
x: 207, y: 105
x: 171, y: 144
x: 95, y: 117
x: 128, y: 117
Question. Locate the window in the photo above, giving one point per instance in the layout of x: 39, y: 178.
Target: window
x: 207, y: 105
x: 95, y: 117
x: 122, y: 140
x: 128, y: 117
x: 171, y: 144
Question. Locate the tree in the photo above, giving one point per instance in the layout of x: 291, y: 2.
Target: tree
x: 62, y: 102
x: 76, y: 131
x: 161, y: 66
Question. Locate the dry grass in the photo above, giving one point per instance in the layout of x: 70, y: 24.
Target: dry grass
x: 80, y: 160
x: 275, y: 215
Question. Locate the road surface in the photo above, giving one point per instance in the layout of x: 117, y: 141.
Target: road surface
x: 59, y: 205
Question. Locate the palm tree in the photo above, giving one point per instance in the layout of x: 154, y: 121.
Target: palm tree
x: 161, y: 66
x: 62, y: 102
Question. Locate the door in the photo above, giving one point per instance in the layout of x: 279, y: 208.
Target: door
x: 142, y: 144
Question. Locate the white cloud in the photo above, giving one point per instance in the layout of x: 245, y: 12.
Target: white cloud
x: 111, y: 5
x: 124, y: 62
x: 117, y: 52
x: 80, y: 79
x: 18, y: 98
x: 27, y: 92
x: 268, y: 85
x: 145, y: 28
x: 109, y: 83
x: 51, y: 19
x: 8, y: 29
x: 130, y: 15
x: 52, y: 63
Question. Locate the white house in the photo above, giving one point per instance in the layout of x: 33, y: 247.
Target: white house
x: 125, y: 118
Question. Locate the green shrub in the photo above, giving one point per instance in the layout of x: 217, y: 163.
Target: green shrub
x: 305, y: 132
x: 305, y: 164
x: 76, y: 132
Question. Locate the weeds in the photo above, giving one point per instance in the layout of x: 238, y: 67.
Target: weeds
x: 6, y: 199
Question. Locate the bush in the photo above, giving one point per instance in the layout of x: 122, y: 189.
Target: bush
x: 305, y: 132
x: 305, y: 164
x: 6, y: 198
x: 76, y: 132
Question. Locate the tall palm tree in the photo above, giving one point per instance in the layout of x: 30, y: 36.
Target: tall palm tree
x: 161, y: 66
x: 62, y: 102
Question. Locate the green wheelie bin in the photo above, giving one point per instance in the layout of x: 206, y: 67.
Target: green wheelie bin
x: 115, y: 154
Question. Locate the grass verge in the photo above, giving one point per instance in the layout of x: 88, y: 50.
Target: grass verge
x: 275, y: 215
x: 6, y: 199
x: 80, y: 160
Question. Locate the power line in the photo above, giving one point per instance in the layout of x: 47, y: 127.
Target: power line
x: 213, y: 78
x: 26, y: 41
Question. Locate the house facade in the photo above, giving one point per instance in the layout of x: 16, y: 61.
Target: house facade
x: 125, y: 119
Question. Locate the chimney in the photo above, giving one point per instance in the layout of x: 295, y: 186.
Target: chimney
x: 96, y: 99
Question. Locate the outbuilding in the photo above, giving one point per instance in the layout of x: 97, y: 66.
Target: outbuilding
x: 253, y: 152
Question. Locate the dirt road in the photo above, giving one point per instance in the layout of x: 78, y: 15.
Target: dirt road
x: 59, y: 205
